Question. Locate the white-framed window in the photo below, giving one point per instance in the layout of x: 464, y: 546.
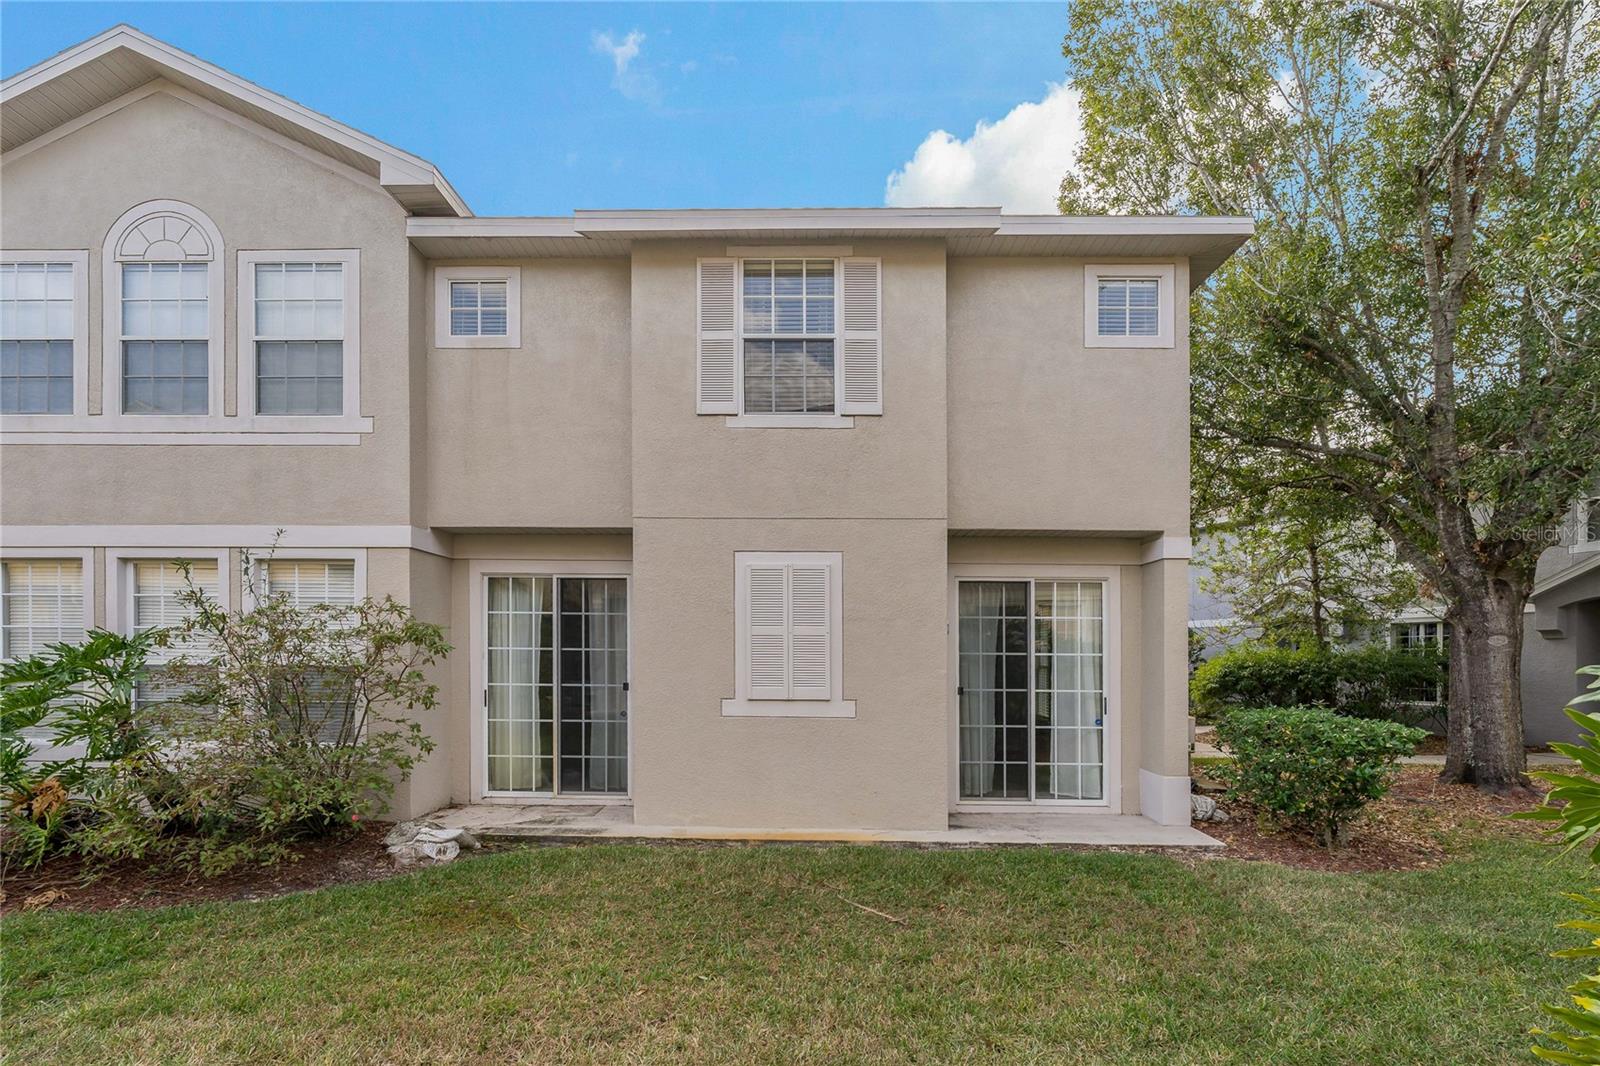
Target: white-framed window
x: 44, y: 333
x: 300, y: 333
x: 788, y: 323
x: 46, y: 597
x: 789, y: 642
x: 145, y: 587
x: 788, y: 341
x: 163, y: 313
x: 1128, y: 306
x: 306, y: 578
x: 1421, y: 636
x: 477, y: 307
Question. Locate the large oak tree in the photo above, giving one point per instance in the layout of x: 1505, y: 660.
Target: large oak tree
x: 1414, y: 327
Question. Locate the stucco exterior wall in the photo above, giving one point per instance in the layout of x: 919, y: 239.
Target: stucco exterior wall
x: 67, y: 194
x: 884, y: 768
x: 537, y: 436
x: 1046, y: 434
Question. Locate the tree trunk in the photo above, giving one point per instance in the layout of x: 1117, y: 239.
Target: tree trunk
x: 1485, y: 726
x: 1319, y: 625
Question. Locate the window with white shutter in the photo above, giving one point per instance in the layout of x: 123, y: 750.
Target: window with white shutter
x: 789, y: 342
x: 789, y: 643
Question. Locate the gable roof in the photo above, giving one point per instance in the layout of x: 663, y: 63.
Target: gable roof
x: 73, y: 83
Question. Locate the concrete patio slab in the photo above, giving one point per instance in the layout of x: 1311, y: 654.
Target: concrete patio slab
x: 573, y: 822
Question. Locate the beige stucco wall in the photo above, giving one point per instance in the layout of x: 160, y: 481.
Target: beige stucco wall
x: 888, y: 466
x: 884, y: 768
x: 537, y: 436
x: 67, y: 194
x: 1046, y: 434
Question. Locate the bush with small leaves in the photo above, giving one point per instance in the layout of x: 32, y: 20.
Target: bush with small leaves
x: 1308, y: 768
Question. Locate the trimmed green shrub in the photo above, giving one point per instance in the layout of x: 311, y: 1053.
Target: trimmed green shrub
x: 1367, y: 682
x: 1308, y: 768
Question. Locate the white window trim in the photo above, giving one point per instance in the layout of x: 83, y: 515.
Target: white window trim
x: 79, y: 258
x: 742, y: 706
x: 443, y: 276
x: 119, y: 578
x: 478, y: 667
x: 350, y: 419
x: 112, y: 416
x: 86, y: 557
x: 1166, y: 308
x: 790, y: 419
x: 1582, y: 545
x: 259, y: 557
x: 1116, y: 720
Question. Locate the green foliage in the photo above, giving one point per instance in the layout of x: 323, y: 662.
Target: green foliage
x: 1301, y: 573
x: 1413, y: 331
x: 1572, y: 810
x: 280, y: 723
x: 1364, y: 682
x: 81, y: 694
x: 1308, y: 768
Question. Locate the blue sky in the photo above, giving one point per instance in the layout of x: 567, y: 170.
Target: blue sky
x: 542, y: 108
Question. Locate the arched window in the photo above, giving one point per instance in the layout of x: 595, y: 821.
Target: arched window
x: 164, y: 311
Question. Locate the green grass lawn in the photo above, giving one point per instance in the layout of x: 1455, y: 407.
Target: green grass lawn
x: 648, y: 954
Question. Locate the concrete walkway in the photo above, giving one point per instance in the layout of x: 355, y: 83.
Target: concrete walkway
x: 568, y: 823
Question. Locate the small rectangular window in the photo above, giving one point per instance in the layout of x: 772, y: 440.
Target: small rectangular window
x: 1128, y: 307
x: 789, y: 323
x: 299, y: 338
x: 37, y: 326
x: 165, y: 338
x: 477, y: 309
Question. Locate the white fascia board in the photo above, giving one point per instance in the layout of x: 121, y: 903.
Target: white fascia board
x: 423, y: 226
x: 1126, y: 226
x: 401, y: 166
x: 975, y: 220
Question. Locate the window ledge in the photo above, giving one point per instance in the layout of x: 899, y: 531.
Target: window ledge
x: 790, y: 421
x: 788, y: 708
x: 183, y: 429
x: 1585, y: 547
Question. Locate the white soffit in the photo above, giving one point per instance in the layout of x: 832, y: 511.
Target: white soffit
x: 90, y: 75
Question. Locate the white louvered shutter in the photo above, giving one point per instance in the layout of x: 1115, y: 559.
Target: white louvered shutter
x: 768, y: 632
x: 810, y: 641
x: 862, y: 339
x: 717, y: 347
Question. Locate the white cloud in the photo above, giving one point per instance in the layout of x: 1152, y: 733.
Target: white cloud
x: 1017, y: 162
x: 634, y: 83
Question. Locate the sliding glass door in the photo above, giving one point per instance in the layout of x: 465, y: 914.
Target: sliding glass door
x: 556, y: 684
x: 1031, y: 690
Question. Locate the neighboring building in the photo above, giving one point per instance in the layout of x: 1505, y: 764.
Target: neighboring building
x: 754, y: 518
x: 1560, y: 633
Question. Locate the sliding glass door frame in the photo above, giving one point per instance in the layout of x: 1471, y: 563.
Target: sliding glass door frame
x: 555, y: 570
x: 1111, y: 681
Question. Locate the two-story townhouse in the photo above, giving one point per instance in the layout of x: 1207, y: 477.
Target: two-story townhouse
x: 801, y: 519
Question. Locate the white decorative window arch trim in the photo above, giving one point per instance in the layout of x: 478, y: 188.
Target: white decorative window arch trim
x: 350, y: 420
x: 168, y: 231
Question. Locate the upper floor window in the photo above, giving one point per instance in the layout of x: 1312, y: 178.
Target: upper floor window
x: 478, y: 307
x: 299, y: 338
x: 36, y: 334
x: 1128, y: 306
x: 167, y: 310
x: 788, y: 322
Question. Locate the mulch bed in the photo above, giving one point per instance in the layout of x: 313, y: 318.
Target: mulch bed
x: 1414, y: 827
x: 67, y: 884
